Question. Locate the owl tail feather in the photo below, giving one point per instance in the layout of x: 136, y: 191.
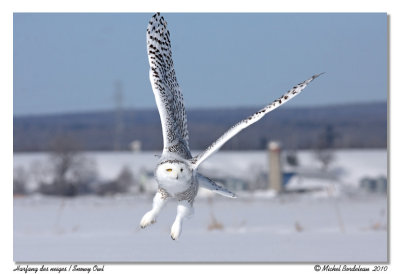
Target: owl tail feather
x: 209, y: 184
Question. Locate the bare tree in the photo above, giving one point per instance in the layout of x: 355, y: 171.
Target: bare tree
x: 19, y: 181
x: 40, y: 172
x: 325, y: 156
x: 125, y: 179
x: 121, y: 184
x: 324, y: 149
x: 71, y: 171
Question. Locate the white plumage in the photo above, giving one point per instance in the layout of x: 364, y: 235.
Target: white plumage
x: 176, y: 171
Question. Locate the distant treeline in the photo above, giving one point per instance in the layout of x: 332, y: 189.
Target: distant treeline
x: 350, y: 126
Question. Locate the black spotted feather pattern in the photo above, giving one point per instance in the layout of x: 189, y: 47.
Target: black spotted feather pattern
x: 250, y: 120
x: 166, y: 89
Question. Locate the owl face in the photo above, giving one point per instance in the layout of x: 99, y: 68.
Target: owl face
x: 173, y: 171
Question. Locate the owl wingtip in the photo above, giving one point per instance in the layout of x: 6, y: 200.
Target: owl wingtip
x: 317, y: 75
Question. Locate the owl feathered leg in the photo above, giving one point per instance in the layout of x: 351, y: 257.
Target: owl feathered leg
x: 150, y: 217
x: 184, y: 210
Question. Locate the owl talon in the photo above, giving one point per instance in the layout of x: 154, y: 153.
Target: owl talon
x: 146, y: 225
x: 148, y: 219
x: 176, y: 229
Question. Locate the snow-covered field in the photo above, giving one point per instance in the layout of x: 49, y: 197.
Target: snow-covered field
x: 283, y: 229
x: 255, y: 227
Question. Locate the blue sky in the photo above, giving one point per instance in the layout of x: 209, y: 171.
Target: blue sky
x: 70, y: 62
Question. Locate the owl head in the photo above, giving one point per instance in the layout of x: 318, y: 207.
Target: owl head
x: 173, y: 170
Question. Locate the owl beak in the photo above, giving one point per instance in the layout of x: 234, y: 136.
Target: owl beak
x: 175, y: 175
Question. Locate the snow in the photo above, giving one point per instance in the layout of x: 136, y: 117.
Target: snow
x: 350, y: 165
x: 262, y: 226
x: 282, y: 229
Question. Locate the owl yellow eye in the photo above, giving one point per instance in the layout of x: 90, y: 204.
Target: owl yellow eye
x: 169, y: 169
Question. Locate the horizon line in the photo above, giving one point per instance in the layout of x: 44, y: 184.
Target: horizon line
x: 132, y: 108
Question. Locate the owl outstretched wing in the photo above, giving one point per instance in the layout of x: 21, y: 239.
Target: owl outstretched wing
x: 196, y: 161
x: 209, y: 184
x: 166, y: 90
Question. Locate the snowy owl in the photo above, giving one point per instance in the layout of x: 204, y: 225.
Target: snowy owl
x: 176, y: 171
